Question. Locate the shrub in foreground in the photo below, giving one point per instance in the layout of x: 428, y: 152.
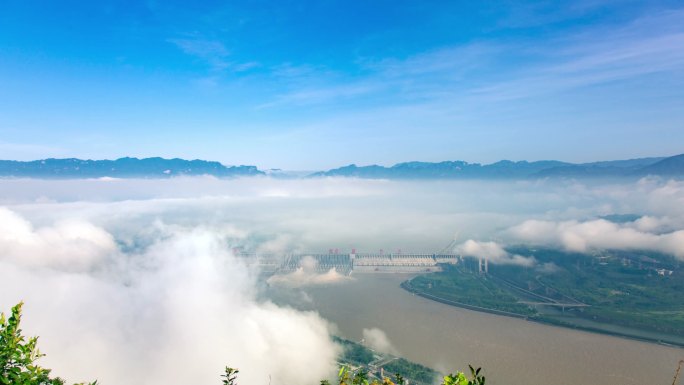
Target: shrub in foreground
x: 18, y: 355
x: 345, y: 377
x: 18, y: 366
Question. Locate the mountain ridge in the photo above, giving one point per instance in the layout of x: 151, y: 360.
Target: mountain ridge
x: 127, y: 167
x: 156, y: 167
x: 506, y: 169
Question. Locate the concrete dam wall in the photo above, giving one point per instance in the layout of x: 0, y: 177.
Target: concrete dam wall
x: 348, y: 263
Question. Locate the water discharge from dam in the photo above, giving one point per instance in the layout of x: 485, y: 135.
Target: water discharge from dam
x: 511, y: 351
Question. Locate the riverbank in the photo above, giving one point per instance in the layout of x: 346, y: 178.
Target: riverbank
x: 512, y: 350
x: 637, y: 335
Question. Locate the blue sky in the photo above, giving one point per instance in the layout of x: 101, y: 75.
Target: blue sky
x: 319, y: 84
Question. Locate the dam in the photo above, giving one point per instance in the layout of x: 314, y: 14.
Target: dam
x: 353, y: 262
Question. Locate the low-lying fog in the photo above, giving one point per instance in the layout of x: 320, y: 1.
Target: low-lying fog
x: 133, y: 281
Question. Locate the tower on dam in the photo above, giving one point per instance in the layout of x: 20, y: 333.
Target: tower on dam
x: 483, y: 265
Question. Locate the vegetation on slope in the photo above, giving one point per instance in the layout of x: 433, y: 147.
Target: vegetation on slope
x: 18, y: 355
x: 18, y: 365
x: 465, y: 288
x: 361, y: 358
x: 632, y: 289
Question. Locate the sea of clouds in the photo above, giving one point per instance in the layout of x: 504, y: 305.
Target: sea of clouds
x: 135, y: 281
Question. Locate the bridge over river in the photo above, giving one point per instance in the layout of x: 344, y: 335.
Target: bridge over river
x: 348, y: 263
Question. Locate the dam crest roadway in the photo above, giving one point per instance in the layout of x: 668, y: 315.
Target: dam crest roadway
x: 348, y: 263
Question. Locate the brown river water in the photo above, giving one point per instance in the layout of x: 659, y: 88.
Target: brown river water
x: 511, y: 351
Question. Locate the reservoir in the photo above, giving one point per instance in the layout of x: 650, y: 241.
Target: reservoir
x: 511, y: 351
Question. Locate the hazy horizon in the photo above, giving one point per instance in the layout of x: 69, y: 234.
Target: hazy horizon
x: 369, y: 164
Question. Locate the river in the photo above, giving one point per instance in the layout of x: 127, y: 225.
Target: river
x: 511, y: 351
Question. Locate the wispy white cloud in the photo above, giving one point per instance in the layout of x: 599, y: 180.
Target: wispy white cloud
x: 201, y: 48
x: 322, y: 94
x: 214, y: 53
x: 600, y: 55
x: 427, y: 75
x: 454, y: 61
x: 496, y: 71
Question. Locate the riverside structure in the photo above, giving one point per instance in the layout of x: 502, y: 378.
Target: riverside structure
x: 348, y: 263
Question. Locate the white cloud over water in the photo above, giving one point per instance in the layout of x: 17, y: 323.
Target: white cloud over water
x: 175, y: 312
x: 308, y: 275
x: 377, y: 340
x: 583, y: 236
x: 72, y: 245
x: 134, y: 281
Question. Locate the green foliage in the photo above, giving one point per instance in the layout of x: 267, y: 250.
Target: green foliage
x: 463, y: 287
x: 359, y: 378
x: 230, y: 376
x: 399, y: 378
x: 460, y: 378
x: 18, y: 355
x: 416, y: 373
x: 354, y: 353
x: 346, y: 377
x: 614, y: 287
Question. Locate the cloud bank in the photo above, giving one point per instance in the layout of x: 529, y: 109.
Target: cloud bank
x: 308, y: 275
x: 125, y: 279
x: 174, y: 312
x: 583, y: 236
x: 72, y: 245
x: 492, y: 252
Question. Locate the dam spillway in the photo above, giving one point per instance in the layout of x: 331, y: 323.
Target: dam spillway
x: 353, y: 262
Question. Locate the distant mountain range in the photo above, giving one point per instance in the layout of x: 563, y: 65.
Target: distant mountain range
x: 505, y: 169
x: 121, y: 168
x: 671, y: 166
